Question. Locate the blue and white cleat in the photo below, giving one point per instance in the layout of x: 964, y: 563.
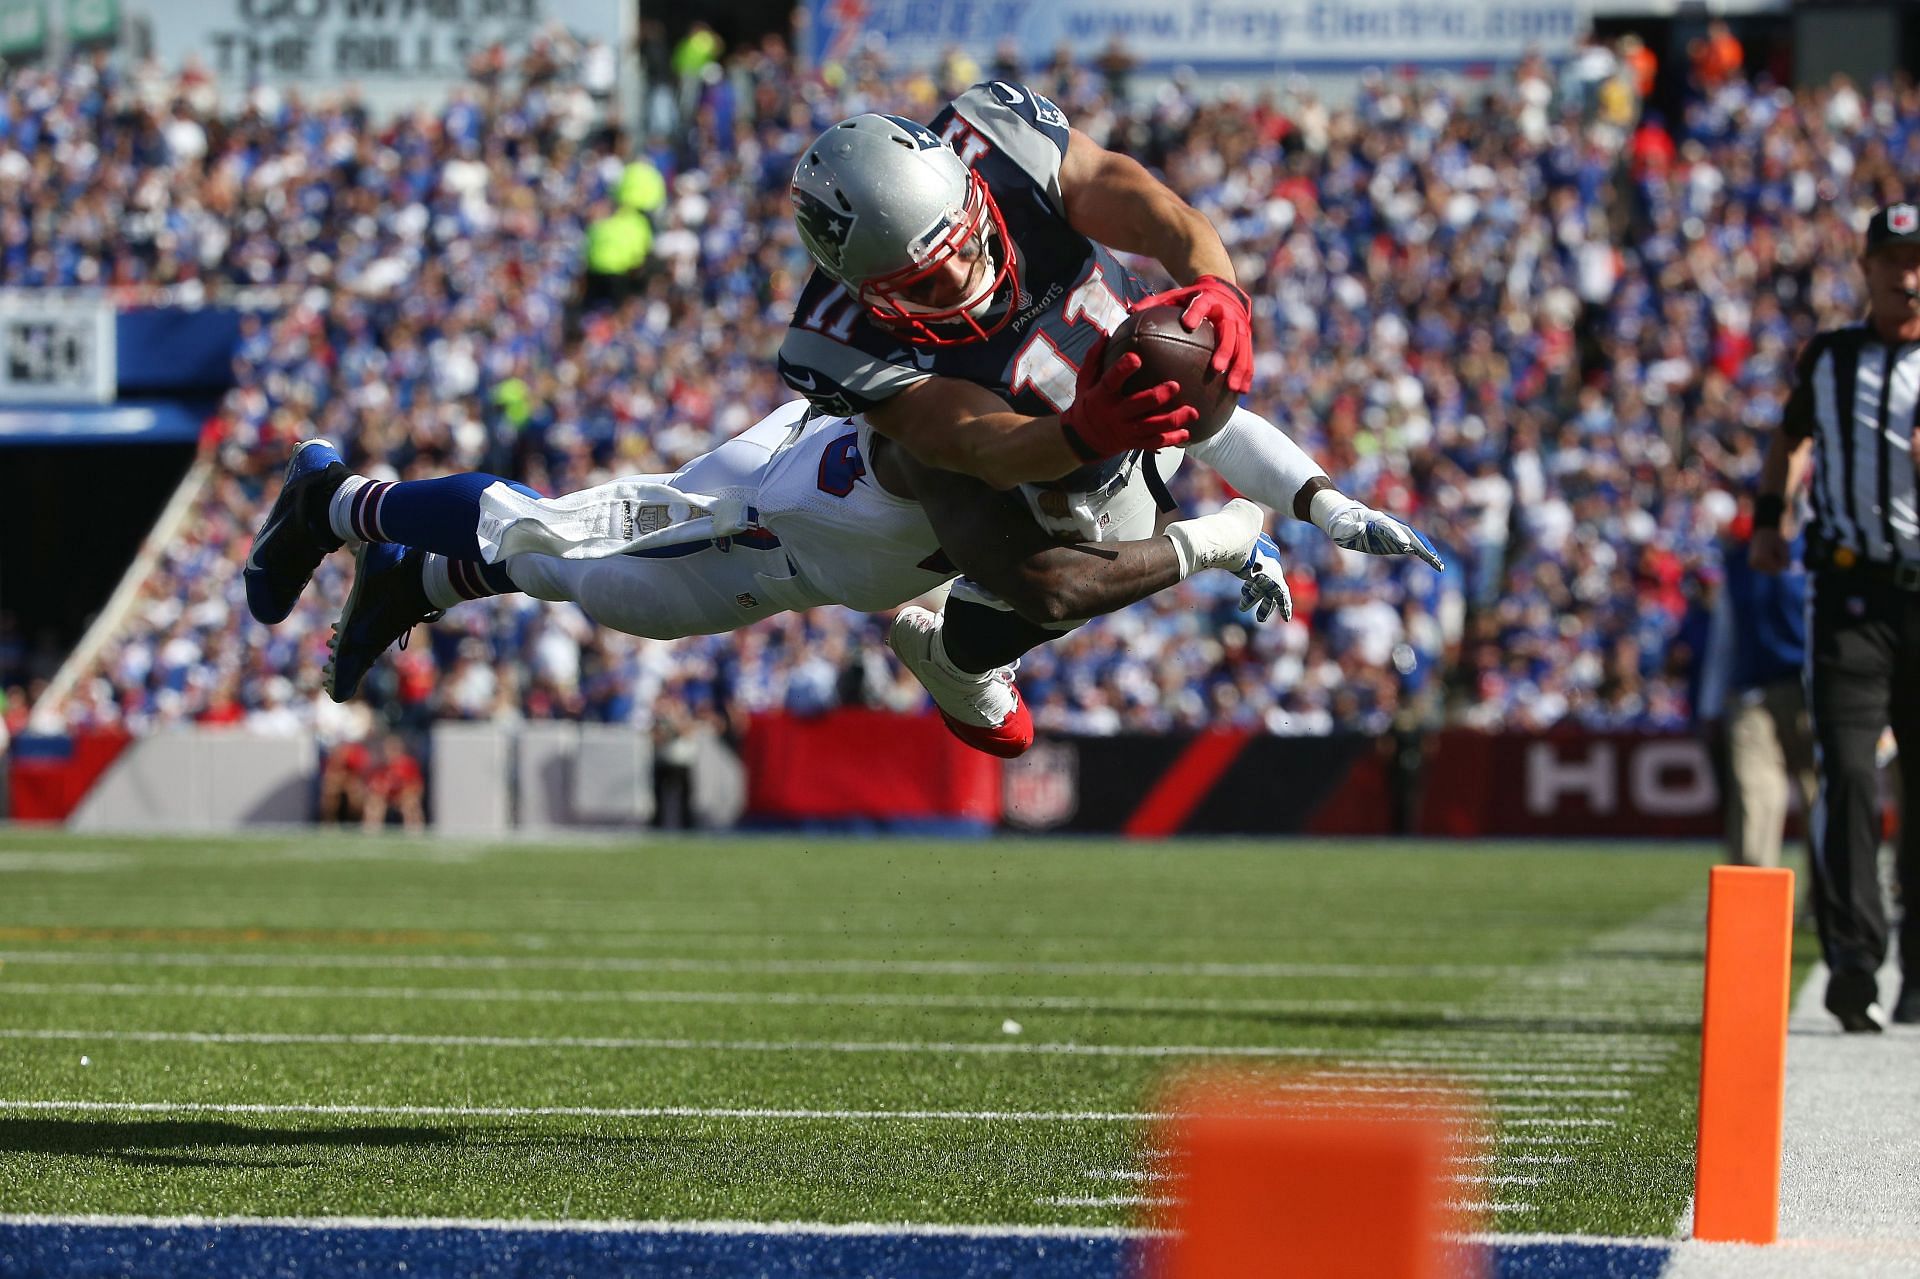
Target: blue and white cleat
x: 387, y: 601
x: 295, y: 536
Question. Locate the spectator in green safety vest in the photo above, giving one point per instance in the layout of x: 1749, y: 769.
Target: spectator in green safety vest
x: 696, y: 59
x: 618, y: 242
x: 641, y: 187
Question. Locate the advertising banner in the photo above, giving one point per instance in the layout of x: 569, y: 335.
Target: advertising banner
x: 400, y: 53
x: 864, y: 766
x: 1208, y: 35
x: 1220, y: 782
x: 56, y: 348
x: 1573, y: 784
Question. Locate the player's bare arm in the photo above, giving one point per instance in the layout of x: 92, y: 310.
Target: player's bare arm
x: 1111, y: 198
x: 993, y: 539
x: 961, y: 426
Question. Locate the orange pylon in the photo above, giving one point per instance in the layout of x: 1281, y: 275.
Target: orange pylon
x: 1278, y: 1176
x: 1743, y: 1054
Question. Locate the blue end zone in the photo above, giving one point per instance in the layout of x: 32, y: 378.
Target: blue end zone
x: 308, y: 1252
x: 1569, y: 1260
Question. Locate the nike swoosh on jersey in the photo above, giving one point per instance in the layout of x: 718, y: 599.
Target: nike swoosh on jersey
x: 803, y: 380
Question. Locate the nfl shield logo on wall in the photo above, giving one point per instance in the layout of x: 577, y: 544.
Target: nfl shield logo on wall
x: 1042, y: 787
x: 1903, y: 219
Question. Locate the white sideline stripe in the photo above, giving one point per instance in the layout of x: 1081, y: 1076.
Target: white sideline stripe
x: 750, y: 1228
x: 578, y: 1112
x: 771, y: 1228
x: 1106, y: 1201
x: 1527, y: 1239
x: 684, y: 964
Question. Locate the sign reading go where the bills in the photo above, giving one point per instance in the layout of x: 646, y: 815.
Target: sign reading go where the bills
x: 56, y: 348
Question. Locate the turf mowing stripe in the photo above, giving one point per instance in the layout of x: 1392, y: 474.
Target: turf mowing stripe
x: 802, y: 999
x: 667, y: 1112
x: 773, y: 967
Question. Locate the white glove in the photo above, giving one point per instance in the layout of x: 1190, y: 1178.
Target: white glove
x: 1265, y: 589
x: 1234, y: 538
x: 1360, y: 528
x: 1224, y: 539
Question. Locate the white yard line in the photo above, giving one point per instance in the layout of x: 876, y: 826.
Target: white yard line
x: 694, y: 964
x: 634, y: 1112
x: 987, y: 1047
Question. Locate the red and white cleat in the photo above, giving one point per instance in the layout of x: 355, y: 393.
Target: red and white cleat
x: 985, y: 711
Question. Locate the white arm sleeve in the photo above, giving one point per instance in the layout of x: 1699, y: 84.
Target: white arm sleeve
x: 1259, y: 459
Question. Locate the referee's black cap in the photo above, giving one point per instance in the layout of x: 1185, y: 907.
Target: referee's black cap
x: 1895, y: 224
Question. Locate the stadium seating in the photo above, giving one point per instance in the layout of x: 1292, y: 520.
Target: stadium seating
x: 1444, y: 274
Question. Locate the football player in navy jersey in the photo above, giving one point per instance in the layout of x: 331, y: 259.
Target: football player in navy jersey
x: 966, y: 280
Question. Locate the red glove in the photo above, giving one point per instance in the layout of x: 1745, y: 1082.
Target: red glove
x: 1212, y: 298
x: 1105, y: 420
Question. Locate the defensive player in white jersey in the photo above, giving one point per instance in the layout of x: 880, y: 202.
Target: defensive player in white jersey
x: 965, y: 281
x: 802, y: 509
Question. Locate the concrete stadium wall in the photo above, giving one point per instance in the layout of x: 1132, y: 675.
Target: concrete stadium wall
x: 483, y: 779
x: 203, y: 779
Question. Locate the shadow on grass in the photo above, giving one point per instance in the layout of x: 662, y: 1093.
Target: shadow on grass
x: 199, y: 1143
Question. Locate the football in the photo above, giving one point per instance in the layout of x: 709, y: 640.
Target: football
x: 1171, y: 352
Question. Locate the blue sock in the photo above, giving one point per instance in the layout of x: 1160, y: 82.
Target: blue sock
x: 441, y: 515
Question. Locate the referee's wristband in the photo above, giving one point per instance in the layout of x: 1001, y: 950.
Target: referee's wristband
x: 1768, y: 510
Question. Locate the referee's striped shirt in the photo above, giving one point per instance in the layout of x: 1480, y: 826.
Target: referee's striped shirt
x: 1858, y: 399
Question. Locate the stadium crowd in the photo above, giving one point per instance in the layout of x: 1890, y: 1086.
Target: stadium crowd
x: 1542, y: 323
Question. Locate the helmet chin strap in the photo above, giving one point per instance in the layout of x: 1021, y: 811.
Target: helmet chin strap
x: 989, y: 270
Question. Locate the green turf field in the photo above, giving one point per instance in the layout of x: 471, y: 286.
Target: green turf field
x: 722, y: 1029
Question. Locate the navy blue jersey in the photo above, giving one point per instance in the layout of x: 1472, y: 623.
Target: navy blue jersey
x: 1071, y: 290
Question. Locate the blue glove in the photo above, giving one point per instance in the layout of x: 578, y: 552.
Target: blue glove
x: 1264, y: 582
x: 1360, y: 528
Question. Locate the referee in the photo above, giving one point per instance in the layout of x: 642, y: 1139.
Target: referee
x: 1853, y: 413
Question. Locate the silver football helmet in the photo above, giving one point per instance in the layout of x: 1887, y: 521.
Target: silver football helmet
x: 883, y: 205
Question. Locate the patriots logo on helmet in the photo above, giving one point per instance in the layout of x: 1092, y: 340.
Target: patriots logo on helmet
x: 926, y: 139
x: 826, y: 228
x: 1903, y: 219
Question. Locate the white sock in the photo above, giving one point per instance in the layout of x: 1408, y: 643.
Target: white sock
x: 340, y: 507
x: 439, y: 586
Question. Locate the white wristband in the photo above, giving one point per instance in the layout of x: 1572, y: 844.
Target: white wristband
x: 1327, y: 506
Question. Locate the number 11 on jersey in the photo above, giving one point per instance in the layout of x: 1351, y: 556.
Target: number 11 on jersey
x: 1042, y: 366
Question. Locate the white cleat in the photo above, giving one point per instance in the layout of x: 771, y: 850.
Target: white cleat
x: 985, y: 711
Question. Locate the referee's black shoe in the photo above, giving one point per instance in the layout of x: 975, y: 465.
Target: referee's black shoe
x: 1851, y: 997
x: 1907, y: 1011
